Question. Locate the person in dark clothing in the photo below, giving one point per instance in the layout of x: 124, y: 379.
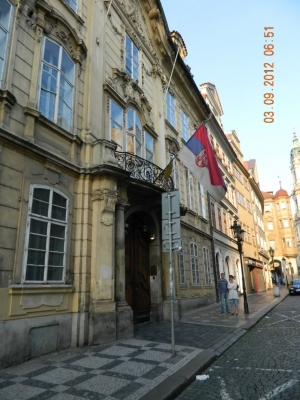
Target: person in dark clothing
x: 223, y: 292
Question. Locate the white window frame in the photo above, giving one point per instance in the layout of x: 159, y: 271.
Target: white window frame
x: 49, y: 220
x: 272, y: 244
x: 136, y: 141
x: 148, y: 152
x: 185, y: 126
x: 171, y: 112
x: 58, y: 91
x: 189, y: 189
x: 202, y: 203
x: 7, y: 31
x: 270, y: 226
x: 72, y: 4
x: 206, y: 263
x: 181, y: 271
x: 112, y: 121
x: 129, y: 54
x: 194, y: 258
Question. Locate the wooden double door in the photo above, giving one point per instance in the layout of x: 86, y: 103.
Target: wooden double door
x: 137, y: 268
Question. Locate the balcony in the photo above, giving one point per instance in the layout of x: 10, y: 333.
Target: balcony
x: 144, y: 170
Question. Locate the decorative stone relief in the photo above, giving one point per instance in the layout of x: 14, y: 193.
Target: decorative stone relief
x: 156, y: 70
x: 110, y: 198
x: 115, y: 29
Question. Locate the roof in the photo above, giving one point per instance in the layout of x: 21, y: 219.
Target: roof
x: 267, y: 195
x: 281, y: 193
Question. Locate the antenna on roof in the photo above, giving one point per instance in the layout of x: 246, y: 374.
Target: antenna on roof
x: 279, y: 181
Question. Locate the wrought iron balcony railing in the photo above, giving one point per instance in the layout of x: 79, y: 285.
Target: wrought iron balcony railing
x: 144, y: 170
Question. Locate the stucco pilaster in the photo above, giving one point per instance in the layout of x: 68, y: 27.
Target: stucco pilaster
x: 104, y: 198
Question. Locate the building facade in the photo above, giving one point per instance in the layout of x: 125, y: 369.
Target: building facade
x: 224, y: 213
x: 295, y: 170
x: 90, y: 115
x: 248, y: 200
x: 281, y: 235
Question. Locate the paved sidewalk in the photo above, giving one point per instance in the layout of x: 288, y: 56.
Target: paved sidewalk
x: 138, y: 368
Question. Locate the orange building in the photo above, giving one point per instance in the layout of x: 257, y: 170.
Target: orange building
x: 281, y: 235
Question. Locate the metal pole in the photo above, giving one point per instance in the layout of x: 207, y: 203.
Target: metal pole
x: 246, y: 309
x: 171, y: 277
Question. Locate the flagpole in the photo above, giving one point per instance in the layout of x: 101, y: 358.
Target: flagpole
x: 172, y: 71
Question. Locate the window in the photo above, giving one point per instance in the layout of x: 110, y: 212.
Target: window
x: 283, y: 205
x: 133, y: 133
x: 5, y: 26
x: 285, y: 223
x: 72, y: 4
x: 149, y: 147
x: 267, y: 207
x: 220, y: 219
x: 45, y: 248
x: 213, y: 215
x: 181, y: 268
x: 185, y: 126
x: 57, y: 85
x: 171, y: 109
x: 237, y: 175
x: 270, y: 226
x: 202, y: 207
x: 249, y: 206
x: 272, y: 244
x: 194, y: 264
x: 288, y: 242
x: 132, y: 59
x: 116, y: 123
x: 206, y: 266
x: 189, y: 189
x: 225, y: 223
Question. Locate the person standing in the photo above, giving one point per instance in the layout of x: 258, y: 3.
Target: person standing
x: 223, y: 292
x: 233, y: 295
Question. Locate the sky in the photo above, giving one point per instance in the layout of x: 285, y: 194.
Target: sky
x: 225, y: 43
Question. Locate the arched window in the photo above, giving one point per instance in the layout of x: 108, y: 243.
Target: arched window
x: 45, y: 244
x: 133, y: 133
x: 194, y: 264
x: 206, y: 262
x: 57, y: 85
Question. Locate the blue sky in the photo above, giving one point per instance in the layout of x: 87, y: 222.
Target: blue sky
x: 225, y: 42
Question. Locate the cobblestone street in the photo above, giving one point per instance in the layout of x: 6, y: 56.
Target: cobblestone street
x: 263, y: 364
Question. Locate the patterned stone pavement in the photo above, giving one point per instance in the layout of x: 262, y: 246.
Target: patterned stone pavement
x: 131, y: 368
x: 128, y: 369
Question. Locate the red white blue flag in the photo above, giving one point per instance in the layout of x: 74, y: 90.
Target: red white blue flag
x: 198, y: 156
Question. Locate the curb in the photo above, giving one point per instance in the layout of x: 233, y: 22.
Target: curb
x: 250, y: 324
x: 171, y: 387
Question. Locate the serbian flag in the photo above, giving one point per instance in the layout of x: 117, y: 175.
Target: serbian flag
x: 198, y: 156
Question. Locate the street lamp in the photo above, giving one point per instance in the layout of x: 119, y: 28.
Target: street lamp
x: 271, y: 251
x: 238, y: 234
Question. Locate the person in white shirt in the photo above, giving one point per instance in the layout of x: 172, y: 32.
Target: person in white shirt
x: 233, y: 295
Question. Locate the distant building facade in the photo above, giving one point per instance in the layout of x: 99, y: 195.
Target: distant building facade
x: 281, y: 235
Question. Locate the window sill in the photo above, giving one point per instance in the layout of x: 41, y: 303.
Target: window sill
x: 68, y: 135
x: 40, y: 288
